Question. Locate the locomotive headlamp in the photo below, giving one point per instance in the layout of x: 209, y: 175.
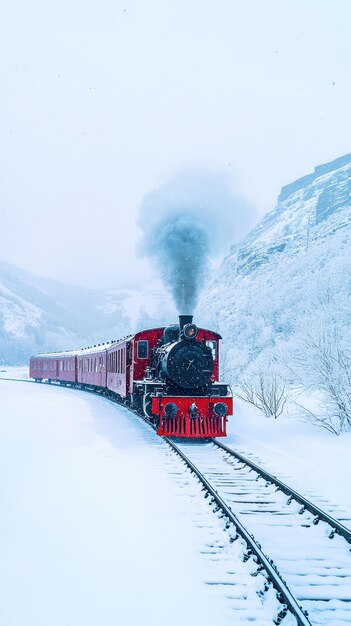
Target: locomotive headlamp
x: 190, y: 331
x: 171, y: 409
x: 220, y: 409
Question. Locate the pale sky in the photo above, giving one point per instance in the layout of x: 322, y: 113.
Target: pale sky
x: 104, y: 101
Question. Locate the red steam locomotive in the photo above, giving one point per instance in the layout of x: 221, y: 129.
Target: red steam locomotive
x: 169, y: 375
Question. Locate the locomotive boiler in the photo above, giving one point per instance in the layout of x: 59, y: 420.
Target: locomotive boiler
x: 184, y: 362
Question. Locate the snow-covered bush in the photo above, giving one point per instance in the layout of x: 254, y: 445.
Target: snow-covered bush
x: 323, y: 363
x: 267, y: 391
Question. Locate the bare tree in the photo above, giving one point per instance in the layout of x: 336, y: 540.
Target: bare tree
x: 323, y: 364
x: 266, y: 391
x: 323, y: 420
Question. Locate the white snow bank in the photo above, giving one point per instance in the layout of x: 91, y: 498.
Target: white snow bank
x: 14, y: 371
x: 99, y: 526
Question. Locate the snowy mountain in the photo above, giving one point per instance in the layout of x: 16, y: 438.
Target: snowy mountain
x: 39, y: 314
x: 290, y: 278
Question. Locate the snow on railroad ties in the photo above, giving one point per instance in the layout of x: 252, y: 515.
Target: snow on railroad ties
x: 99, y: 525
x: 315, y: 563
x: 313, y: 462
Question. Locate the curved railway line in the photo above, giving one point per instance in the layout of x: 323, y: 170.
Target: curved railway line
x: 307, y: 548
x: 303, y: 550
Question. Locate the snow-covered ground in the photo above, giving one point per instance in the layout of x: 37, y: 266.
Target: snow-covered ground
x: 14, y: 371
x: 313, y: 461
x: 99, y: 525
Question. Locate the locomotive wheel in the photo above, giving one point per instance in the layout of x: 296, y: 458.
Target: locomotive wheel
x: 147, y: 408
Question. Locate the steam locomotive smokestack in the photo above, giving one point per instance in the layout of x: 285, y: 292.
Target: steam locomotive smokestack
x: 184, y: 319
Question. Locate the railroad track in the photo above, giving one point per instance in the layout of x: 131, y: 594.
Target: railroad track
x: 319, y: 514
x: 309, y: 549
x: 309, y: 559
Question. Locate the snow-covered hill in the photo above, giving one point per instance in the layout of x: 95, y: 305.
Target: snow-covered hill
x: 290, y: 278
x: 38, y: 314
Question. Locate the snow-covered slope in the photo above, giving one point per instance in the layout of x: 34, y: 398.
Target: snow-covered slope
x: 290, y: 275
x: 38, y: 314
x: 32, y: 311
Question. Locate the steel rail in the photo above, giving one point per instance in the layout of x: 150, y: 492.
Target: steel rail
x: 278, y: 583
x: 339, y: 528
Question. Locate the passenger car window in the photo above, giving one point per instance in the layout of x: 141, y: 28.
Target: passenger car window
x: 143, y: 349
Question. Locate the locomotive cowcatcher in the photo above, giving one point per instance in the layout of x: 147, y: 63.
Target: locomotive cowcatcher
x: 169, y: 375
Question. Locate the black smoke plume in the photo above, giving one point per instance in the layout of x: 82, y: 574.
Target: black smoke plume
x: 185, y: 223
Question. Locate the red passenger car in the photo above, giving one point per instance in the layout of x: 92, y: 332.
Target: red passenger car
x: 91, y: 367
x: 55, y: 366
x: 119, y: 370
